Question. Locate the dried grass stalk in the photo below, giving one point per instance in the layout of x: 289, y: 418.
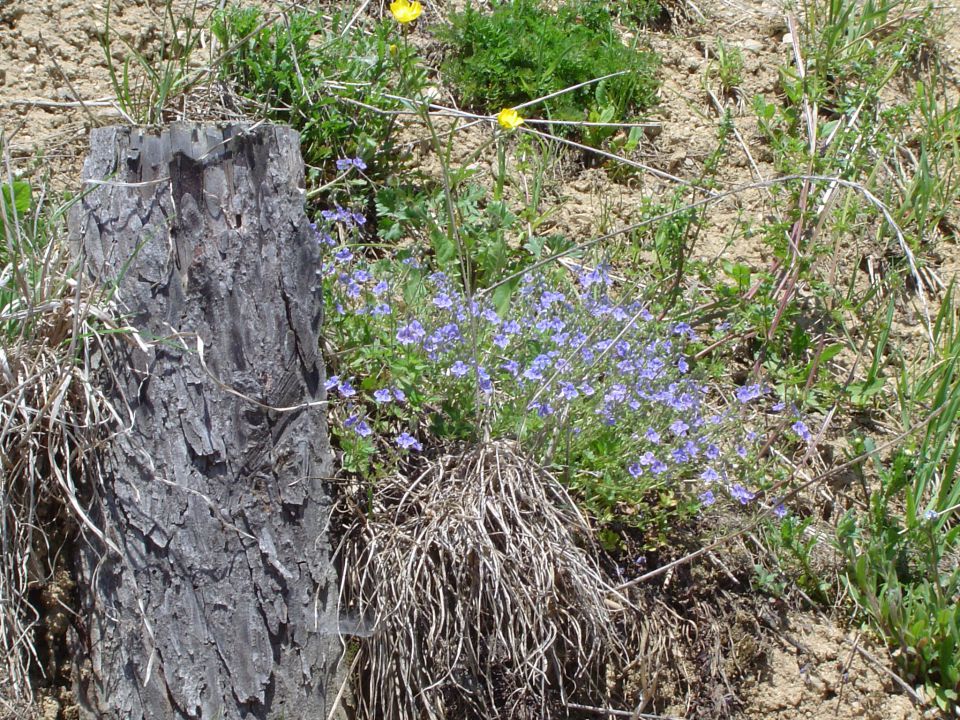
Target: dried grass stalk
x: 480, y: 579
x: 50, y: 414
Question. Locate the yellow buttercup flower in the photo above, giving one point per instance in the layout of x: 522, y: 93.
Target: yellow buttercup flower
x: 509, y: 119
x: 405, y: 11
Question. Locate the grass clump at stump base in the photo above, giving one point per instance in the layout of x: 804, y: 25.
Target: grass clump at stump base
x: 485, y: 595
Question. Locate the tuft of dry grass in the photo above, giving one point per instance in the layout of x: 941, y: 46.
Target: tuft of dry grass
x: 480, y: 582
x: 51, y: 413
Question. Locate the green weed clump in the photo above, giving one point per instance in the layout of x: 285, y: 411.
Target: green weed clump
x: 864, y: 108
x: 522, y: 51
x: 327, y: 79
x: 902, y: 551
x: 644, y: 13
x: 145, y: 86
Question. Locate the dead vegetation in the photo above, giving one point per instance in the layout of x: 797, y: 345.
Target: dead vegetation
x: 486, y: 599
x: 51, y: 414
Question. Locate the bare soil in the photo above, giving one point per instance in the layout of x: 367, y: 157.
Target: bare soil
x: 55, y: 86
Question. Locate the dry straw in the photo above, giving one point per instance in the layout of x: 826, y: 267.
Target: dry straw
x: 50, y: 414
x: 480, y: 581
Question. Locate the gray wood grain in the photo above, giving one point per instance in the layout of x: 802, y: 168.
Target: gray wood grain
x: 217, y: 606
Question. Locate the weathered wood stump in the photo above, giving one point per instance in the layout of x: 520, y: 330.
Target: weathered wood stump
x: 218, y: 604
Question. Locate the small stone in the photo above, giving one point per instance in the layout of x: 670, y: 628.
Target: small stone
x: 752, y: 45
x: 787, y: 39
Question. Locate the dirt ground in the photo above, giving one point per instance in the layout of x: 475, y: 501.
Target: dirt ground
x: 51, y: 59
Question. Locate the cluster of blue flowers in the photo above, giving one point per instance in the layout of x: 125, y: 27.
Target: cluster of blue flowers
x: 345, y: 164
x: 570, y: 358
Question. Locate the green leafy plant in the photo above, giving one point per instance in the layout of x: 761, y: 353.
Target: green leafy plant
x: 644, y: 13
x: 902, y: 553
x: 521, y: 52
x: 15, y: 200
x: 483, y: 226
x: 726, y: 67
x: 336, y: 83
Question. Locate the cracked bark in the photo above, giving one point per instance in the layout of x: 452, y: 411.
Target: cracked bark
x: 215, y: 606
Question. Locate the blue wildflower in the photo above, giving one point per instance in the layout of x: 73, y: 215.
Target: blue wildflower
x: 459, y: 369
x: 543, y: 408
x: 740, y: 493
x: 443, y: 301
x: 747, y: 393
x: 347, y: 163
x: 709, y: 475
x: 411, y: 333
x: 535, y: 371
x: 800, y: 428
x: 486, y: 385
x: 568, y: 391
x: 408, y: 442
x: 511, y: 327
x: 596, y: 276
x: 439, y: 278
x: 490, y: 315
x: 615, y: 395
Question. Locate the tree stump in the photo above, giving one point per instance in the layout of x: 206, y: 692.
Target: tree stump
x: 221, y: 600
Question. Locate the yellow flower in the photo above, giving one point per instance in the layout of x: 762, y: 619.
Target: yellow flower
x: 509, y: 119
x: 405, y: 11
